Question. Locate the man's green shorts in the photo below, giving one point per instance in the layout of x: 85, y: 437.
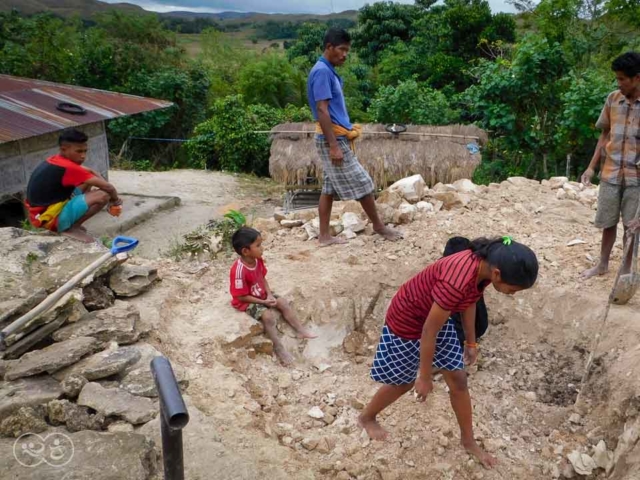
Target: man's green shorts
x: 615, y: 201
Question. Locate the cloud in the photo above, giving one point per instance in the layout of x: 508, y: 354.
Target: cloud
x: 272, y: 6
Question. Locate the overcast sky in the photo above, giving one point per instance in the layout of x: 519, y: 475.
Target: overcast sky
x: 271, y: 6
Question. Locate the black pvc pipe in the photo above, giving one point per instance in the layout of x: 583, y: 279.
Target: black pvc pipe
x: 174, y: 417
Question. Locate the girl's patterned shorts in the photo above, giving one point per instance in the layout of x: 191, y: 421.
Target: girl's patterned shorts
x: 397, y: 359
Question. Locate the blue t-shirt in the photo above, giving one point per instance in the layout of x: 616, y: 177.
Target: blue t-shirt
x: 325, y: 84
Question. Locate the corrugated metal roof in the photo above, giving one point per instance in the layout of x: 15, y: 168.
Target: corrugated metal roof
x: 28, y: 107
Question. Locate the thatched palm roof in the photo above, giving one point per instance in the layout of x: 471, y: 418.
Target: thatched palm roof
x: 439, y: 154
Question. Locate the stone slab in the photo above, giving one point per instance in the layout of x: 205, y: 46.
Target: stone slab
x: 135, y: 210
x: 51, y: 358
x: 102, y: 364
x: 117, y: 402
x: 73, y: 456
x: 113, y: 324
x: 27, y: 392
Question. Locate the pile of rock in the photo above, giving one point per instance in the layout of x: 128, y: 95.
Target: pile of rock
x: 402, y: 203
x: 79, y: 365
x: 567, y: 190
x: 407, y: 200
x: 598, y: 458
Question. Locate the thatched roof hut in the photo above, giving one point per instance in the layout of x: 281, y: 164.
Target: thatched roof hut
x: 439, y: 154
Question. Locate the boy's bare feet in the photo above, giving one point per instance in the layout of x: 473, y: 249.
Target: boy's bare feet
x: 285, y: 357
x: 600, y: 269
x: 373, y: 428
x: 329, y: 240
x: 77, y: 234
x: 304, y: 333
x: 390, y: 234
x: 487, y: 461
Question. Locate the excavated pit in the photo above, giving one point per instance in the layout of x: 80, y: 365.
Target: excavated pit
x: 524, y: 387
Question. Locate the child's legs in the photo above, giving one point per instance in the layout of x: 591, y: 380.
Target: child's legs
x: 449, y: 358
x: 461, y: 402
x: 292, y: 319
x: 385, y: 396
x: 268, y: 320
x: 80, y: 208
x: 288, y: 313
x: 395, y: 366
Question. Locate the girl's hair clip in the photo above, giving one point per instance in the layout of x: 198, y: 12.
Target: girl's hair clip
x: 507, y: 240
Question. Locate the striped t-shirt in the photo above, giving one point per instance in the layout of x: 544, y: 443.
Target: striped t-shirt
x: 451, y: 282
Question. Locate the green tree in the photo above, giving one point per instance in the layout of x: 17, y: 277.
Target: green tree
x: 457, y: 28
x: 446, y: 39
x: 380, y: 26
x: 397, y: 63
x: 501, y: 29
x: 42, y: 47
x: 308, y: 43
x: 187, y: 88
x: 412, y: 103
x: 228, y: 140
x: 588, y: 30
x: 518, y: 100
x: 223, y: 61
x: 359, y: 89
x: 270, y: 80
x: 626, y: 11
x: 576, y: 134
x: 122, y: 46
x: 144, y: 30
x: 273, y: 30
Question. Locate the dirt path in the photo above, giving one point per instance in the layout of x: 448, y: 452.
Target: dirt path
x: 523, y: 388
x: 204, y: 196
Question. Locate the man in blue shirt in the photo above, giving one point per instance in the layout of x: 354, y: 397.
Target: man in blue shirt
x: 343, y: 176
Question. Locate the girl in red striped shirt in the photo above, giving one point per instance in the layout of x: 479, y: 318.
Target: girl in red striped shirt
x: 419, y: 334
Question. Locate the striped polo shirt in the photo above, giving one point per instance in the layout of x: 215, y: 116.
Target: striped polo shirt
x: 451, y: 282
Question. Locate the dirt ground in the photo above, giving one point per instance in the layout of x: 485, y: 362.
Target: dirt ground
x: 523, y: 389
x: 203, y: 195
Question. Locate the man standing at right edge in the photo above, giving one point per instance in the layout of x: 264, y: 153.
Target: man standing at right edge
x: 620, y: 170
x: 343, y: 176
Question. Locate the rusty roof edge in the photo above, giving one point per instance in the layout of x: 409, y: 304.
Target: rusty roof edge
x: 161, y: 103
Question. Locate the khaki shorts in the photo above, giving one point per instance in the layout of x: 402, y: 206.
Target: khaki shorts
x: 615, y: 201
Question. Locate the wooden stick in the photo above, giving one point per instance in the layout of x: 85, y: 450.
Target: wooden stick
x: 605, y: 316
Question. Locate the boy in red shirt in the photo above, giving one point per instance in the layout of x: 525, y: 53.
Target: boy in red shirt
x: 251, y: 292
x: 62, y: 194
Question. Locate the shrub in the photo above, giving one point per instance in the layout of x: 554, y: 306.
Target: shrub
x: 228, y: 140
x: 414, y: 103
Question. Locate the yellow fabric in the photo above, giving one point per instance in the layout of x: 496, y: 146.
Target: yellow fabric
x: 51, y: 212
x: 339, y: 131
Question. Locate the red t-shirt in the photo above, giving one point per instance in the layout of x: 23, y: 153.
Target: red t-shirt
x: 54, y: 181
x: 451, y: 282
x: 247, y: 281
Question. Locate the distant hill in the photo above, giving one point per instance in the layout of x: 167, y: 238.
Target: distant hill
x: 66, y: 8
x: 213, y: 16
x: 236, y: 17
x: 88, y: 8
